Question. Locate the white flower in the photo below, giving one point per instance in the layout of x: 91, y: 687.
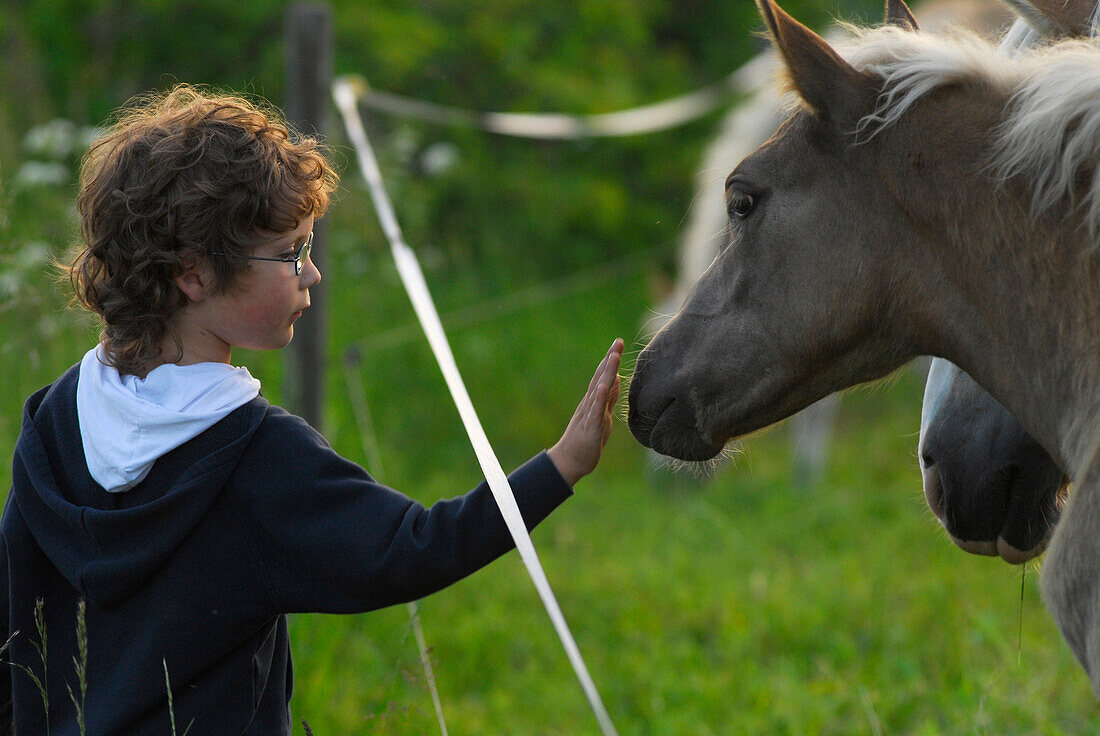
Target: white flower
x: 55, y: 139
x: 438, y: 158
x: 41, y: 173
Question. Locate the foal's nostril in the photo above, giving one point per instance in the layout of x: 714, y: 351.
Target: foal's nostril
x: 933, y: 489
x: 643, y: 422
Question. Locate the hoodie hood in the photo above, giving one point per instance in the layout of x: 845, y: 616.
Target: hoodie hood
x: 108, y: 544
x: 127, y: 422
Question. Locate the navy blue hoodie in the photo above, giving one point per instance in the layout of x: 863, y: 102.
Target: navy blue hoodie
x: 194, y: 569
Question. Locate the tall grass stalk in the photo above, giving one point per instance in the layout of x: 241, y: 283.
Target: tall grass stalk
x: 40, y: 647
x: 1020, y: 629
x: 80, y: 664
x: 171, y: 709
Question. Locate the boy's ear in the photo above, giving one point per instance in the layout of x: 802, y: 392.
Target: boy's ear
x: 837, y: 92
x: 193, y: 279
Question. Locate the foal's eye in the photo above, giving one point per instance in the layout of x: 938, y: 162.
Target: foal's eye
x: 740, y: 204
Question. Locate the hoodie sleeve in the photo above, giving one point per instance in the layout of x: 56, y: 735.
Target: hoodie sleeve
x: 330, y: 538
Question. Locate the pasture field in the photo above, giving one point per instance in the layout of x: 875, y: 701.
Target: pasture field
x: 742, y: 603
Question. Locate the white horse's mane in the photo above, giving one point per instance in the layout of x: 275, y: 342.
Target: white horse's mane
x: 1050, y: 133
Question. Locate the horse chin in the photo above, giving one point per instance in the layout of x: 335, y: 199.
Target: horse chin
x: 1014, y: 556
x: 1044, y: 517
x: 1003, y: 549
x: 676, y: 439
x: 688, y: 448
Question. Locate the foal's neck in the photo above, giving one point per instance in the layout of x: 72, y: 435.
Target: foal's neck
x: 1034, y: 338
x: 1012, y: 299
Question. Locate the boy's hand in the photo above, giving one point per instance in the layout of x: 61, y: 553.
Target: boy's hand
x: 577, y: 452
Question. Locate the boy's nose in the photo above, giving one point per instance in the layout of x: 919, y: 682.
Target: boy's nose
x: 311, y: 275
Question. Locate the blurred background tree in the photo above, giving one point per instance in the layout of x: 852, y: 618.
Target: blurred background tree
x: 561, y: 203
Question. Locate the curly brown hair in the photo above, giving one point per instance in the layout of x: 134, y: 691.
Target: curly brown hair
x: 178, y: 176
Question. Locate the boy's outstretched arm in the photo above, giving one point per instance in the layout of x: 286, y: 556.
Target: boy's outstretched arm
x: 578, y: 451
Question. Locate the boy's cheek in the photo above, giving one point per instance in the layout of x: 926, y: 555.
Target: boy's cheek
x: 267, y: 312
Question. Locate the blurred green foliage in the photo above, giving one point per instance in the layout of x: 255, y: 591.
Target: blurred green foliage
x: 562, y: 203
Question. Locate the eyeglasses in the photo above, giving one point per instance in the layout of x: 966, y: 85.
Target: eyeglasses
x: 297, y: 257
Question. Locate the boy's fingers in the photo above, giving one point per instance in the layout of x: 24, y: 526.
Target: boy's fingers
x: 616, y: 386
x: 610, y: 382
x: 605, y: 406
x: 594, y: 411
x: 594, y: 404
x: 602, y: 367
x: 607, y: 394
x: 609, y: 368
x: 598, y: 374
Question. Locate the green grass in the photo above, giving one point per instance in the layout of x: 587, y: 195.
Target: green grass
x: 743, y: 603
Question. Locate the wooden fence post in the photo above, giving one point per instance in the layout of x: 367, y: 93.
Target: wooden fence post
x: 309, y: 52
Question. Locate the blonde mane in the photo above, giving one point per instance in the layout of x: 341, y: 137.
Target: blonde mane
x: 1050, y: 133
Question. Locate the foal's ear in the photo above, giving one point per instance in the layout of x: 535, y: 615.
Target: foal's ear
x: 1056, y: 19
x: 898, y: 14
x: 832, y: 87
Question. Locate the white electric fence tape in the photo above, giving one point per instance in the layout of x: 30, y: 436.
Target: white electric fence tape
x: 413, y: 278
x: 651, y: 118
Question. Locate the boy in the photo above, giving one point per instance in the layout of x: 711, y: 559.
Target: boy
x: 154, y: 483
